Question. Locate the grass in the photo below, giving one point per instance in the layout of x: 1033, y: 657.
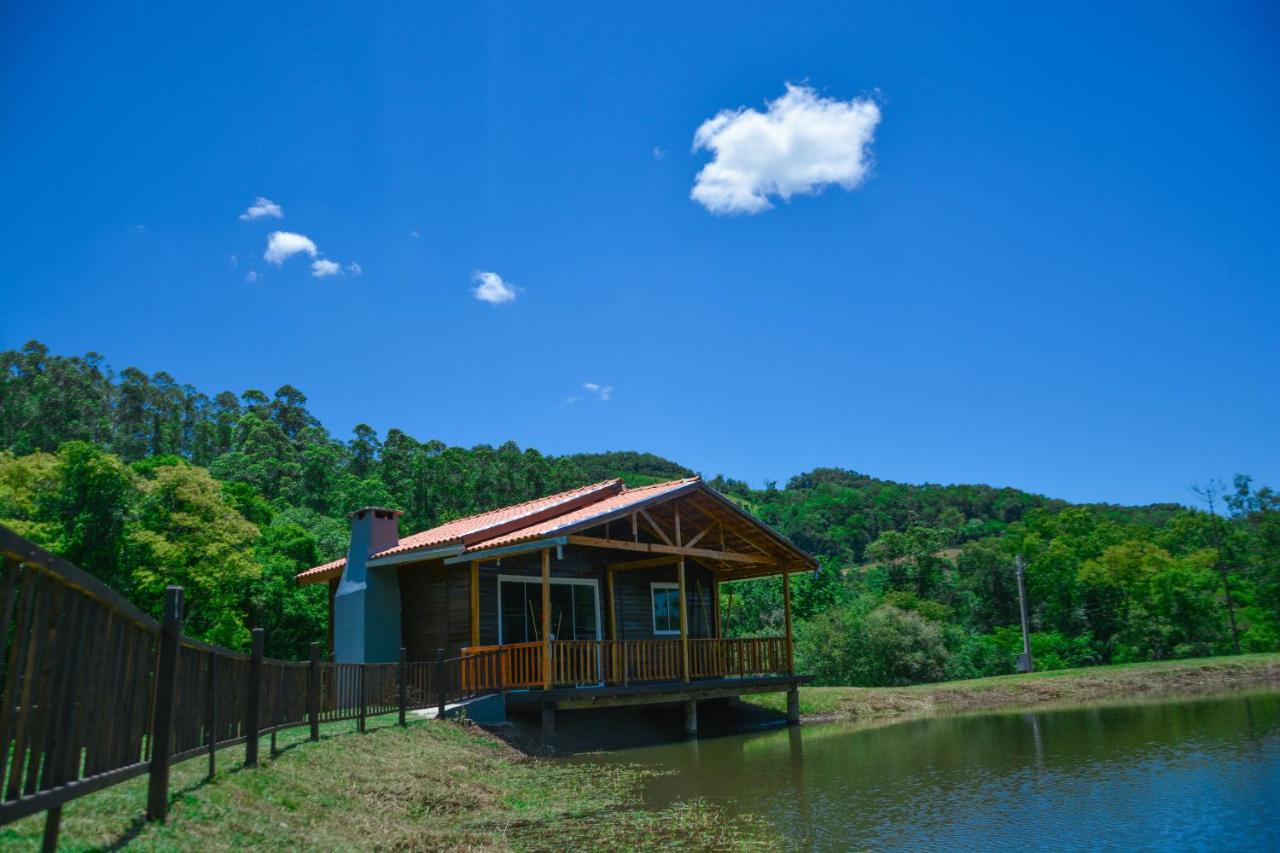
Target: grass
x: 1196, y: 675
x: 429, y: 786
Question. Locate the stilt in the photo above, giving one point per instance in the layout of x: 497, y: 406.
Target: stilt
x: 793, y: 706
x: 548, y: 722
x: 691, y: 718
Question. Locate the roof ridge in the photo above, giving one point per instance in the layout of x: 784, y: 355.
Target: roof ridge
x: 552, y: 496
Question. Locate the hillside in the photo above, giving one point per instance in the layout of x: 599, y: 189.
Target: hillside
x: 145, y: 481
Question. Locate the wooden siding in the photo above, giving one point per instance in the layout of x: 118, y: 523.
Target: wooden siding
x: 436, y: 610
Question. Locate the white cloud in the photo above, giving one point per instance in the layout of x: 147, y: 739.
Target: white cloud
x: 353, y: 268
x: 414, y: 234
x: 800, y: 144
x: 659, y: 152
x: 603, y: 393
x: 251, y: 276
x: 262, y: 208
x: 282, y: 245
x: 322, y: 268
x: 492, y: 289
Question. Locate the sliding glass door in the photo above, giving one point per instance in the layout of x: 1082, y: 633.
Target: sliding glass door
x: 575, y: 609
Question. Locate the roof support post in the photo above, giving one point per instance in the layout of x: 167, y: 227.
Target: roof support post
x: 715, y: 605
x: 684, y: 623
x: 475, y: 602
x: 613, y: 610
x: 786, y: 610
x: 546, y: 618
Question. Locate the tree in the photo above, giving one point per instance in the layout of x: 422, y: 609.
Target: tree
x: 185, y: 534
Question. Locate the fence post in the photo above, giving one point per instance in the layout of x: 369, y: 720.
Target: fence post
x: 211, y: 713
x: 440, y: 692
x: 313, y: 691
x: 403, y: 674
x: 162, y: 719
x: 364, y: 694
x: 255, y: 700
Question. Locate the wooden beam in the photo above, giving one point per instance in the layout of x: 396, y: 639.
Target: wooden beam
x: 662, y: 534
x: 613, y: 612
x: 684, y: 622
x: 715, y: 605
x: 642, y: 564
x: 786, y: 610
x: 696, y: 539
x: 546, y: 618
x: 475, y: 602
x: 657, y: 548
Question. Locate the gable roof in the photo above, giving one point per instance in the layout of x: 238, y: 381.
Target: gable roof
x: 562, y: 513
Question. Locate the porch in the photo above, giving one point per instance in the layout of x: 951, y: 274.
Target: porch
x: 621, y: 663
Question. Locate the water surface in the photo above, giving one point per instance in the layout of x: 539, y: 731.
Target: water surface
x: 1197, y: 774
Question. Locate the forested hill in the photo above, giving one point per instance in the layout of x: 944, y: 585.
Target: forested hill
x: 145, y: 481
x: 274, y: 445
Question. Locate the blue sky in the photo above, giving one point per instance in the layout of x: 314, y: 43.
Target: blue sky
x: 1042, y: 247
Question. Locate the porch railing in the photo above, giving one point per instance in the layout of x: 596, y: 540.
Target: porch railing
x: 577, y: 663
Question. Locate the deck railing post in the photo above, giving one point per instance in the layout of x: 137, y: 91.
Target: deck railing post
x: 253, y: 707
x: 402, y: 675
x: 440, y: 689
x: 364, y: 694
x: 313, y: 691
x: 162, y: 717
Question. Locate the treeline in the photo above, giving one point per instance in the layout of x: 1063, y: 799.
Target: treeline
x: 146, y: 482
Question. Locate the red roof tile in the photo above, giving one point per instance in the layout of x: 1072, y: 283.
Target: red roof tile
x: 585, y: 516
x: 499, y: 521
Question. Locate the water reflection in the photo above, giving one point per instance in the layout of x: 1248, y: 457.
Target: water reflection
x: 1199, y: 774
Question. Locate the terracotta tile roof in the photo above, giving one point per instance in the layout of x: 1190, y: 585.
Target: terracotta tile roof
x: 584, y: 516
x: 496, y: 522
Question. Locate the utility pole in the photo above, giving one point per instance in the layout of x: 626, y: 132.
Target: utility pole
x: 1024, y: 659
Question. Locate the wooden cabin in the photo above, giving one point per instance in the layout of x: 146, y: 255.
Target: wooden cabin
x: 602, y: 595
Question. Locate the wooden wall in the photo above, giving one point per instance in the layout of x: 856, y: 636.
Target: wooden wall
x: 435, y: 599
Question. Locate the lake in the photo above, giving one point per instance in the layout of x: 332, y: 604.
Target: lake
x: 1195, y: 774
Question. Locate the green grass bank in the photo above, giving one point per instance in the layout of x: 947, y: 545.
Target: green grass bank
x: 1058, y: 687
x: 429, y: 786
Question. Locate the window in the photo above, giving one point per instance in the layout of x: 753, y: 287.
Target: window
x: 666, y: 608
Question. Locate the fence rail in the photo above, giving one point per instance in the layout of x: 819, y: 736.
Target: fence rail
x: 94, y: 692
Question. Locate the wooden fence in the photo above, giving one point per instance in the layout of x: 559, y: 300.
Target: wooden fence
x: 93, y: 691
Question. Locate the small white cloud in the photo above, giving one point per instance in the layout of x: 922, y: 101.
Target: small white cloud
x: 603, y: 393
x: 414, y: 234
x: 659, y: 152
x: 322, y: 268
x: 492, y: 289
x: 353, y: 268
x: 799, y: 145
x: 251, y: 276
x: 235, y: 259
x: 569, y: 401
x: 263, y: 208
x: 282, y: 245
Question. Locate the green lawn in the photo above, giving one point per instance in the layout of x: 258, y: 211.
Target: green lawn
x: 1195, y: 675
x: 425, y: 787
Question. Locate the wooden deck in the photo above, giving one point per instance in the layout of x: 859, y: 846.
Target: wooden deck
x: 621, y: 663
x: 605, y: 696
x: 610, y: 673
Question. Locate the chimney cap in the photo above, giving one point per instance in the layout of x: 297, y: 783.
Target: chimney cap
x: 378, y: 512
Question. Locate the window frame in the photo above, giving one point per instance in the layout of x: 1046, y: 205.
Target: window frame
x: 654, y: 586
